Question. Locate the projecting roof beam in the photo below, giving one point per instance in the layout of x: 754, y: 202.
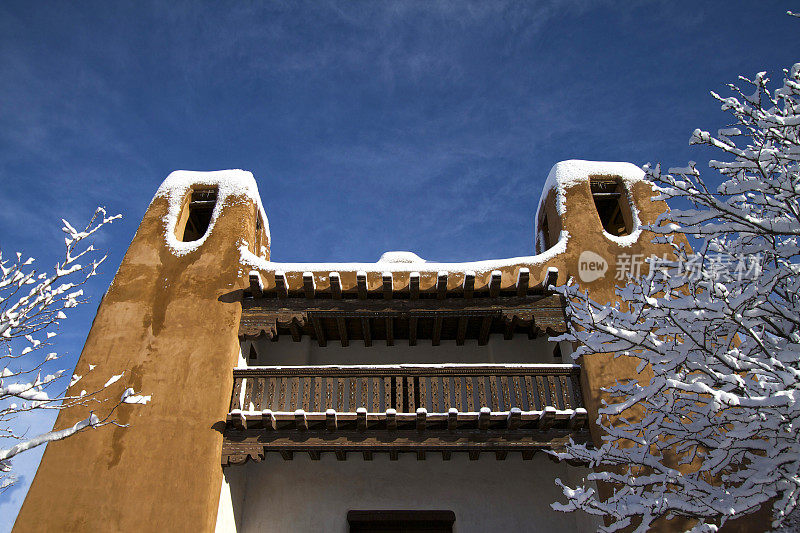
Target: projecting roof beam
x: 387, y: 285
x: 523, y: 279
x: 309, y: 287
x: 413, y: 285
x: 469, y: 284
x: 281, y: 285
x: 361, y: 281
x: 441, y: 285
x: 494, y: 283
x: 336, y: 286
x: 256, y: 285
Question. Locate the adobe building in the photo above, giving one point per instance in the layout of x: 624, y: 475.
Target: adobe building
x: 340, y: 396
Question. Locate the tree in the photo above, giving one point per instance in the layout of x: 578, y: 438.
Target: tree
x: 719, y: 329
x: 32, y: 305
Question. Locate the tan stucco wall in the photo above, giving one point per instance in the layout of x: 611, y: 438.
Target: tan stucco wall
x: 165, y: 320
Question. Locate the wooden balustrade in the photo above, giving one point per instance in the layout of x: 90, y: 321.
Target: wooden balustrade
x: 406, y: 388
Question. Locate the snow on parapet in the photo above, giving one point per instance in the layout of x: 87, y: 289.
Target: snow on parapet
x: 565, y: 174
x: 400, y: 257
x: 228, y: 182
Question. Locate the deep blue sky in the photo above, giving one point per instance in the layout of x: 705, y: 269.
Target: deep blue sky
x: 370, y: 126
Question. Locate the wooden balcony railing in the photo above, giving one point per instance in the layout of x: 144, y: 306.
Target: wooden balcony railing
x: 405, y: 388
x: 403, y: 408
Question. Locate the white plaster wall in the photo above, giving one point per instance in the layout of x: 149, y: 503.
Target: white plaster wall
x: 498, y: 350
x: 314, y: 496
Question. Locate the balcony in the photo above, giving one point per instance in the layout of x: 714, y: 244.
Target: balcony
x: 445, y: 408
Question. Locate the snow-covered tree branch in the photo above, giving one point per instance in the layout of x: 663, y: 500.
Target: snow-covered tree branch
x: 32, y: 304
x: 715, y: 432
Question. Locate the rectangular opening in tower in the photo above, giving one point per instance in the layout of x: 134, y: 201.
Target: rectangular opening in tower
x: 201, y: 208
x: 611, y: 202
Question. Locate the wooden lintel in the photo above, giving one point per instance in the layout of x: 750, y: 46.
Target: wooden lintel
x: 494, y: 284
x: 361, y: 282
x: 413, y: 285
x: 389, y: 331
x: 309, y: 287
x: 256, y: 285
x: 523, y: 279
x: 319, y: 332
x: 365, y: 332
x: 437, y: 331
x: 287, y: 455
x: 412, y: 331
x: 387, y: 286
x: 441, y: 286
x: 486, y: 328
x: 336, y: 286
x: 462, y: 330
x: 469, y: 284
x: 341, y: 325
x: 281, y: 285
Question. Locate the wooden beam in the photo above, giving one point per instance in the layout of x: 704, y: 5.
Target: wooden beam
x: 547, y: 418
x: 412, y: 331
x: 330, y: 420
x: 391, y: 419
x: 361, y: 419
x: 550, y: 279
x: 578, y: 419
x: 340, y: 455
x: 483, y: 418
x: 441, y: 285
x: 445, y: 456
x: 341, y: 325
x: 500, y: 456
x: 267, y: 419
x: 309, y: 286
x: 422, y: 415
x: 523, y: 280
x: 238, y: 419
x: 297, y: 334
x: 256, y: 285
x: 389, y: 331
x: 486, y: 328
x: 474, y: 455
x: 387, y: 285
x: 314, y: 455
x: 494, y: 283
x: 514, y: 418
x: 469, y: 284
x: 365, y: 332
x: 367, y: 456
x: 420, y: 456
x: 452, y: 419
x: 508, y: 334
x: 527, y: 455
x: 361, y: 281
x: 437, y: 331
x: 413, y: 285
x: 300, y: 420
x: 393, y: 455
x: 336, y: 286
x: 462, y: 330
x: 319, y: 331
x: 287, y: 455
x: 281, y: 285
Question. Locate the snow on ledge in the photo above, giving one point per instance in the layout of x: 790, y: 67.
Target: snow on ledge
x: 229, y: 183
x: 400, y: 257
